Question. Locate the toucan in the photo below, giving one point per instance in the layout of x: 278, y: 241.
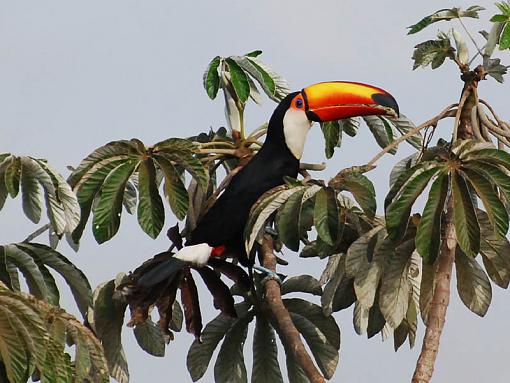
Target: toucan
x: 220, y: 231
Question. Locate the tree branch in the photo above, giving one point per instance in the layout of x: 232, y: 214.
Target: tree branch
x: 282, y: 320
x: 440, y: 300
x: 431, y: 122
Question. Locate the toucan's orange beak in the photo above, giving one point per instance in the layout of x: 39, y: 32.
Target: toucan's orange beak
x: 328, y: 101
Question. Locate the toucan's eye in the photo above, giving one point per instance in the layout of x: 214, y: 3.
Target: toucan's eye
x: 299, y: 103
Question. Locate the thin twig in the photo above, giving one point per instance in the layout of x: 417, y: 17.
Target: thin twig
x: 432, y: 122
x: 217, y: 151
x: 281, y: 318
x: 471, y: 37
x: 313, y: 167
x: 37, y: 233
x: 501, y: 122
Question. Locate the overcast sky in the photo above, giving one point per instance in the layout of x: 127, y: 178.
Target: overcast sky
x: 77, y: 74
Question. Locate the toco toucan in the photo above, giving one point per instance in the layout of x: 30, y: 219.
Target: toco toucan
x: 220, y: 231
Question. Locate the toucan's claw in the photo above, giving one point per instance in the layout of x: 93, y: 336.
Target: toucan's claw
x: 269, y: 230
x: 269, y: 274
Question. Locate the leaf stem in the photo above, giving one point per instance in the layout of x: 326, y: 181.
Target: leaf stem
x: 37, y: 233
x: 471, y: 38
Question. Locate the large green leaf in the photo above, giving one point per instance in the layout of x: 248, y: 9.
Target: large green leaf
x: 433, y: 52
x: 31, y: 195
x: 229, y: 366
x: 107, y: 212
x: 281, y: 85
x: 325, y: 354
x: 332, y: 131
x: 398, y: 212
x: 363, y: 191
x: 428, y: 234
x: 445, y: 15
x: 150, y: 338
x: 301, y: 284
x: 381, y: 130
x: 466, y: 224
x: 201, y: 350
x: 239, y: 80
x: 176, y: 192
x: 361, y: 251
x: 265, y: 354
x: 495, y: 251
x: 404, y: 125
x: 495, y: 208
x: 12, y: 176
x: 473, y: 285
x: 74, y: 277
x: 427, y: 288
x: 151, y: 212
x: 395, y: 286
x: 336, y: 264
x: 325, y: 216
x: 494, y: 174
x: 211, y: 78
x: 185, y: 159
x: 107, y: 321
x: 258, y: 73
x: 287, y: 219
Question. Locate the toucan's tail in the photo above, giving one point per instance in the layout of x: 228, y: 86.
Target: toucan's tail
x: 162, y: 271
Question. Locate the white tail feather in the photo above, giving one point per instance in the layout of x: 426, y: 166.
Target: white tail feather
x: 198, y: 255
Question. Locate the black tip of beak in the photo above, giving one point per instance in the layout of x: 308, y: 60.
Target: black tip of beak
x: 387, y: 101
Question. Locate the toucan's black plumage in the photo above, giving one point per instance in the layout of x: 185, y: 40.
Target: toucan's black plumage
x: 223, y: 225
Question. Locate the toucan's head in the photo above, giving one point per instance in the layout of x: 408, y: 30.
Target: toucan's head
x: 328, y: 101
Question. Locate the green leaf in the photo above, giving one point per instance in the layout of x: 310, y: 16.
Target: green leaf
x: 395, y: 286
x: 495, y: 251
x: 107, y: 212
x: 313, y: 313
x: 349, y: 126
x: 504, y: 40
x: 258, y: 217
x: 445, y: 15
x: 332, y: 132
x: 492, y: 156
x: 495, y: 208
x: 466, y: 224
x: 336, y: 268
x: 186, y: 159
x: 31, y: 195
x: 31, y: 272
x: 398, y: 212
x: 150, y: 338
x: 324, y: 353
x: 151, y: 212
x: 176, y: 192
x: 381, y: 131
x: 108, y: 318
x: 404, y: 125
x: 301, y: 284
x: 255, y: 53
x: 363, y: 191
x: 200, y: 352
x: 401, y: 167
x: 433, y: 52
x: 265, y: 354
x: 73, y: 276
x: 473, y: 284
x: 239, y: 80
x: 428, y: 234
x: 281, y: 85
x: 212, y: 79
x: 12, y: 177
x: 325, y: 216
x: 286, y: 219
x: 229, y: 366
x: 361, y: 251
x: 259, y: 74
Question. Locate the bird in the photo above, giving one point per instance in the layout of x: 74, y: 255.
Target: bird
x: 220, y: 232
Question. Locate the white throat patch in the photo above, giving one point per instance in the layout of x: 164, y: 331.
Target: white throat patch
x: 295, y: 128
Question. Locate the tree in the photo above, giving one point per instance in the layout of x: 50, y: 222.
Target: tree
x: 373, y: 262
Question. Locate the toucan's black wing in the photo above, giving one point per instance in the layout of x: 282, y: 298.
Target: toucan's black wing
x: 224, y: 223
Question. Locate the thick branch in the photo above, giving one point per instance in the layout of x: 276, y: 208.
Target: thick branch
x: 282, y: 320
x: 441, y: 299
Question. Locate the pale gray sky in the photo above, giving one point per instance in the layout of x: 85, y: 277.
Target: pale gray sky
x: 75, y: 75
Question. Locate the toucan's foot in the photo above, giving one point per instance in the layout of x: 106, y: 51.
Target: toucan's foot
x: 269, y: 230
x: 269, y: 274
